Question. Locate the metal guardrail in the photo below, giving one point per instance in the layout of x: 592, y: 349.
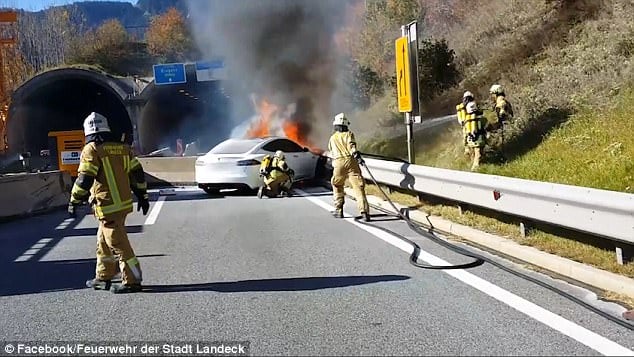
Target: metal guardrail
x: 604, y: 213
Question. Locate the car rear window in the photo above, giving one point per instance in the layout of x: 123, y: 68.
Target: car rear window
x: 233, y: 146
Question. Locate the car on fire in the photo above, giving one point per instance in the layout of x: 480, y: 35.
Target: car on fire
x: 235, y: 163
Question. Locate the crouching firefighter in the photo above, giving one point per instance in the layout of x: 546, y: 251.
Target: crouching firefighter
x: 345, y: 163
x: 276, y: 175
x: 108, y: 172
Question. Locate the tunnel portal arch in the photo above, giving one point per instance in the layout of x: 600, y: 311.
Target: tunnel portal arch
x: 60, y: 99
x: 195, y: 111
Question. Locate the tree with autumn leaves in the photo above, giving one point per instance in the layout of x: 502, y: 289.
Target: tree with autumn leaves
x: 110, y: 47
x: 169, y: 38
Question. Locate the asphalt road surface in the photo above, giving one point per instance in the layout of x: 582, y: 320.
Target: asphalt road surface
x: 288, y: 278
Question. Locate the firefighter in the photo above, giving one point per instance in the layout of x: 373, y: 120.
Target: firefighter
x: 277, y: 176
x: 108, y: 172
x: 345, y: 162
x: 461, y: 113
x: 473, y: 125
x: 501, y: 106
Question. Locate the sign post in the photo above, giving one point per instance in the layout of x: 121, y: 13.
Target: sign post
x: 406, y: 48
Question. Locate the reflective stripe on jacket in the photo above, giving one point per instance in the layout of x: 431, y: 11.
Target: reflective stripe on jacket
x: 110, y: 163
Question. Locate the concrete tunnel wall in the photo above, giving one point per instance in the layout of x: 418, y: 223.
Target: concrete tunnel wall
x: 60, y: 99
x: 155, y: 117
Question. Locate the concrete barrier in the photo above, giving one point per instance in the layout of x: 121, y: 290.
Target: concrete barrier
x: 169, y: 171
x: 25, y: 194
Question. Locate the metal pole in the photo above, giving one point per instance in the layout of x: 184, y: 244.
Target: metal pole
x: 410, y: 139
x: 408, y: 118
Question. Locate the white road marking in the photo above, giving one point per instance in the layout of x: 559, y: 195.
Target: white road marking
x: 153, y: 216
x: 29, y: 253
x: 550, y: 319
x: 65, y: 223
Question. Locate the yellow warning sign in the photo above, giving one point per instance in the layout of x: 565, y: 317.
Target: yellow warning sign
x: 403, y: 82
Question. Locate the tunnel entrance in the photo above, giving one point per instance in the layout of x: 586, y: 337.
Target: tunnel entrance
x: 60, y: 101
x: 192, y: 112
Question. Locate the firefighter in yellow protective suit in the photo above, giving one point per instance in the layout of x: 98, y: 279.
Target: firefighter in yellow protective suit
x: 108, y: 172
x: 473, y: 125
x: 501, y: 106
x: 277, y: 176
x: 345, y: 162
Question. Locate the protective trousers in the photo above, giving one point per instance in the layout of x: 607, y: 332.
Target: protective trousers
x: 474, y: 153
x: 113, y: 238
x: 274, y: 184
x: 348, y: 168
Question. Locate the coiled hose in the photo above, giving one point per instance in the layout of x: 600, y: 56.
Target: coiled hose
x: 478, y: 259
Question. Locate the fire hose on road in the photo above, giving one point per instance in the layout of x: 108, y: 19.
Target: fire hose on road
x: 430, y: 234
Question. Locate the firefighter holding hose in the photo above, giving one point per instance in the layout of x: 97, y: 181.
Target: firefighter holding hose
x: 345, y: 162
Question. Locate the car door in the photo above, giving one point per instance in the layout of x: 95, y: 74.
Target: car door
x: 305, y: 161
x: 291, y: 160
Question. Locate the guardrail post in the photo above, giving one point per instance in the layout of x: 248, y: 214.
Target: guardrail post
x: 523, y: 229
x: 624, y: 254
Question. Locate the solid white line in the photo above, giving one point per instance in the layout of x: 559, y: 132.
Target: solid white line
x: 151, y: 218
x: 550, y: 319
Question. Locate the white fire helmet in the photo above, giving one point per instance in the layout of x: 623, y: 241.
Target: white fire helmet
x: 467, y: 94
x: 95, y: 123
x: 279, y: 154
x: 340, y: 119
x: 496, y: 89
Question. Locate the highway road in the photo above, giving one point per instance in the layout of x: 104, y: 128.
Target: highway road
x: 290, y: 279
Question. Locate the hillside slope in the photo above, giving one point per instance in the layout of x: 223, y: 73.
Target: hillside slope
x: 561, y: 62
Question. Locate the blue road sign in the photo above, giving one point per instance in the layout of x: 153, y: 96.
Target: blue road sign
x: 216, y: 64
x: 171, y: 73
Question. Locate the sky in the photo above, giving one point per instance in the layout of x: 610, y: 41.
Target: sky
x: 37, y: 5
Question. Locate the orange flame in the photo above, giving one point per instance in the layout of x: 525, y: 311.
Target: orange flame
x: 263, y: 126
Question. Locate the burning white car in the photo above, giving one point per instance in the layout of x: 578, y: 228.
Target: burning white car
x: 235, y: 163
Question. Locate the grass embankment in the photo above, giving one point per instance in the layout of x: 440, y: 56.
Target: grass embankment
x: 568, y: 70
x: 592, y: 149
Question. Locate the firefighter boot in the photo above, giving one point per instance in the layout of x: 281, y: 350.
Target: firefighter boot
x: 98, y: 284
x: 338, y: 213
x: 126, y: 289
